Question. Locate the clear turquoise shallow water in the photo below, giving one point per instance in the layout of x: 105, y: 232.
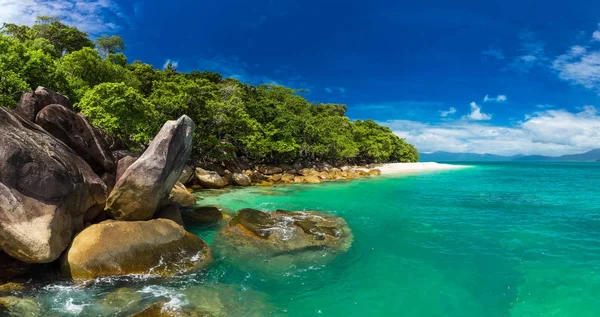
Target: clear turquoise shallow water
x: 493, y: 240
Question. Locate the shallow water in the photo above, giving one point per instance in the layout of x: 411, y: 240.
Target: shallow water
x: 494, y: 240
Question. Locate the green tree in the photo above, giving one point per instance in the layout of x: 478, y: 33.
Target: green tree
x: 110, y: 44
x: 84, y: 69
x: 64, y: 38
x: 121, y: 111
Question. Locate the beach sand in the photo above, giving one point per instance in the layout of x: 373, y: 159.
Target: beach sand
x: 409, y: 168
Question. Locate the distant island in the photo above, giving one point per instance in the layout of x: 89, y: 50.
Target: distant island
x: 590, y: 156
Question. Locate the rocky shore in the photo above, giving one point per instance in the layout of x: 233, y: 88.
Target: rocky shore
x: 71, y: 208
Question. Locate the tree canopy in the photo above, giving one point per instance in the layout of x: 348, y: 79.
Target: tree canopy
x: 265, y: 123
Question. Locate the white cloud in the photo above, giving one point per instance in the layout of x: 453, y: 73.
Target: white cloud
x: 579, y: 66
x: 495, y: 53
x: 448, y: 112
x: 549, y: 132
x: 342, y: 90
x: 596, y: 36
x: 499, y: 98
x: 531, y: 53
x: 329, y: 90
x: 92, y: 16
x: 476, y: 114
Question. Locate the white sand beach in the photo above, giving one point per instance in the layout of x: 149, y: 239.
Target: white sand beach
x: 408, y: 168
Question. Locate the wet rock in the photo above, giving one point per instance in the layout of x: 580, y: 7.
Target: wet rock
x: 12, y: 288
x: 158, y: 247
x: 78, y: 134
x: 15, y: 306
x: 210, y: 180
x: 241, y: 179
x: 45, y: 188
x: 140, y: 190
x: 202, y: 216
x: 171, y: 212
x: 182, y: 196
x: 160, y: 309
x: 33, y: 102
x: 121, y: 300
x: 281, y: 231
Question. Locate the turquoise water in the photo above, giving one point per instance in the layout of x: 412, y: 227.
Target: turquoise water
x: 492, y: 240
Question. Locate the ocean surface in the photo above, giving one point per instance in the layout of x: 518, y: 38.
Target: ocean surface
x: 505, y: 239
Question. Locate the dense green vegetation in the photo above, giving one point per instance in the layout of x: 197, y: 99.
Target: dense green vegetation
x: 265, y: 123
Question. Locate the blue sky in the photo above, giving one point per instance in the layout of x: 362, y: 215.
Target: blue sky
x: 502, y: 77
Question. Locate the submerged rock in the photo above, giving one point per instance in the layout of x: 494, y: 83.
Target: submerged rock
x: 121, y: 300
x: 202, y: 216
x: 282, y: 231
x: 33, y: 102
x: 148, y: 181
x: 15, y: 306
x: 157, y: 247
x: 45, y: 191
x: 79, y: 135
x: 160, y: 309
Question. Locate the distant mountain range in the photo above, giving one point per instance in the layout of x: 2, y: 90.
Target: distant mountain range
x: 591, y: 156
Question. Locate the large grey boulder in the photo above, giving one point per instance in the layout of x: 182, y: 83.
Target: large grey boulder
x: 78, y: 134
x: 123, y: 164
x: 45, y: 191
x: 33, y: 102
x: 140, y: 190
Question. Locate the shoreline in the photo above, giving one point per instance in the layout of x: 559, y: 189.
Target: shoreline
x: 412, y: 168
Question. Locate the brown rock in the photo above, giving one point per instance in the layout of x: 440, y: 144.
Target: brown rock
x: 287, y: 178
x: 375, y: 172
x: 210, y: 180
x: 280, y: 231
x: 276, y: 178
x: 241, y: 179
x: 270, y: 170
x: 159, y: 247
x: 182, y: 196
x: 45, y: 188
x: 308, y: 172
x: 171, y: 212
x: 202, y: 216
x: 78, y: 134
x: 123, y: 164
x: 312, y: 179
x: 187, y: 175
x: 15, y: 306
x: 33, y: 102
x: 148, y: 181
